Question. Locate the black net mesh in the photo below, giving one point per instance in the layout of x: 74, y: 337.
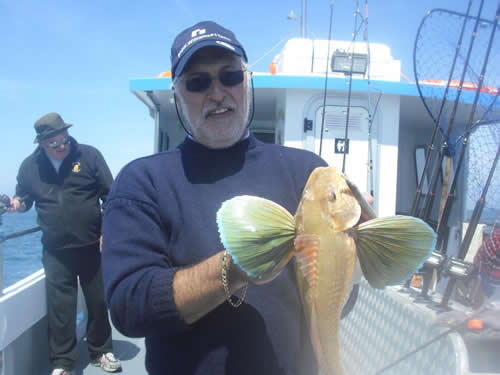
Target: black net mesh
x: 436, y: 61
x: 484, y: 143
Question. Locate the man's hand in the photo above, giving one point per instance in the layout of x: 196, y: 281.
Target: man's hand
x: 365, y: 216
x: 365, y: 200
x: 16, y: 205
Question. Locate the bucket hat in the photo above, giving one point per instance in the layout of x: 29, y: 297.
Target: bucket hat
x: 49, y: 125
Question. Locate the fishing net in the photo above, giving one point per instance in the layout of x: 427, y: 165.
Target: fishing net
x: 448, y: 50
x: 484, y: 143
x: 458, y: 79
x: 457, y: 75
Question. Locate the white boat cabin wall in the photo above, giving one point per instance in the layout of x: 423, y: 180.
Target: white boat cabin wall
x: 387, y: 120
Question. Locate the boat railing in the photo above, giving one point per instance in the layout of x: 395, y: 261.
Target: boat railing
x: 23, y: 317
x: 4, y: 238
x: 4, y: 206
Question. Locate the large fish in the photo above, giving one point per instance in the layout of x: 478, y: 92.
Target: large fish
x: 329, y: 246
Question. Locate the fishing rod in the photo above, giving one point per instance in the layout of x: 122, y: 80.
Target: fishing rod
x: 370, y: 152
x: 326, y: 78
x: 4, y: 206
x: 365, y: 37
x: 418, y: 195
x: 370, y: 115
x: 437, y: 260
x: 451, y: 194
x: 354, y: 35
x: 10, y: 236
x: 463, y: 269
x: 454, y: 328
x: 476, y: 215
x: 445, y: 145
x: 428, y: 21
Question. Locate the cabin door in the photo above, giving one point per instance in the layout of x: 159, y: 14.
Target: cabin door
x: 333, y: 145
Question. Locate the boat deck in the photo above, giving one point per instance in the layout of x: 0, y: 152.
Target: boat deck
x: 130, y: 351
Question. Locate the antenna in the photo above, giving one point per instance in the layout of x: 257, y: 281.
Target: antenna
x: 303, y: 19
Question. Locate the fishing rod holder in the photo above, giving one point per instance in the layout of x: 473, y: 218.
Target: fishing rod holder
x: 458, y: 269
x: 436, y: 260
x: 455, y: 269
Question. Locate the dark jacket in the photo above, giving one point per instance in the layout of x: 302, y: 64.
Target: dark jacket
x: 161, y: 216
x: 67, y: 203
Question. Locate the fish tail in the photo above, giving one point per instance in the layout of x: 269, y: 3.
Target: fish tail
x: 330, y: 365
x: 258, y: 234
x: 391, y: 249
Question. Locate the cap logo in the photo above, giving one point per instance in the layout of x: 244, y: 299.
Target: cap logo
x: 199, y: 37
x: 198, y: 32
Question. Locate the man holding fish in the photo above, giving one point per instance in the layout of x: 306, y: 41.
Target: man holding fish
x: 172, y: 254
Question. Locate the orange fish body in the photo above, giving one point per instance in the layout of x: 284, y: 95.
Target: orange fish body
x: 328, y: 243
x: 326, y: 267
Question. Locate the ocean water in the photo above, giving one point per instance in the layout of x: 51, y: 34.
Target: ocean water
x: 21, y: 256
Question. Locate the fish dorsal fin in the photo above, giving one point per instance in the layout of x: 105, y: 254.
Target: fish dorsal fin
x: 306, y: 256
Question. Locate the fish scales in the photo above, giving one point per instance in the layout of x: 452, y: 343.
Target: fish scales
x: 326, y: 198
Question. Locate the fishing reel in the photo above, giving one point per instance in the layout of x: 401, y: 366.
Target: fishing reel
x: 458, y: 269
x: 4, y: 205
x: 435, y: 261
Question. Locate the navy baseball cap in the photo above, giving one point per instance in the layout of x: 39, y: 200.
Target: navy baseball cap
x: 203, y: 34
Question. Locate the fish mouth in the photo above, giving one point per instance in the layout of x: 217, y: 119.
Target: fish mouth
x: 219, y: 111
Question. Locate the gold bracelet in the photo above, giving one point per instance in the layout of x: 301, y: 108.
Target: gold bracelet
x: 225, y: 284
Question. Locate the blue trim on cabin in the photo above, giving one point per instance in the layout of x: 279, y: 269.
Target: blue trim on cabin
x: 317, y: 82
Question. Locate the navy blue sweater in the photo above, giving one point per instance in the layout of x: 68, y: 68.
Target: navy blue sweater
x: 160, y: 216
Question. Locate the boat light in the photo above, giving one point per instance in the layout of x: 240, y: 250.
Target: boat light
x: 342, y: 62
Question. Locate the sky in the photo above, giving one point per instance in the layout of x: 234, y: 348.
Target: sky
x: 77, y: 58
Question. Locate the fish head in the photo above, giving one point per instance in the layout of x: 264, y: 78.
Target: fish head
x: 327, y: 202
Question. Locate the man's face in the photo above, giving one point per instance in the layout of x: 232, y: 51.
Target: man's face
x: 62, y: 149
x: 216, y: 116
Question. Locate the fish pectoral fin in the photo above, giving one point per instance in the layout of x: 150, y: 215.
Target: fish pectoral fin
x: 391, y: 249
x: 258, y: 234
x: 306, y: 254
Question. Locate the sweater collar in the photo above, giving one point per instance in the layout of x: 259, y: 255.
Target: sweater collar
x: 192, y: 147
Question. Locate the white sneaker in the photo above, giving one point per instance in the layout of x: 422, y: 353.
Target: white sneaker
x: 61, y: 371
x: 108, y: 362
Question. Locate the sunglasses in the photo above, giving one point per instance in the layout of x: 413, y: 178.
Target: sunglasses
x: 202, y: 81
x: 56, y: 144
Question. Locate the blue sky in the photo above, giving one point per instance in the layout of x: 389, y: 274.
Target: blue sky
x: 77, y: 58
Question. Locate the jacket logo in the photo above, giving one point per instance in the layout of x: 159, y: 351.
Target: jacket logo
x: 198, y: 32
x: 76, y: 167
